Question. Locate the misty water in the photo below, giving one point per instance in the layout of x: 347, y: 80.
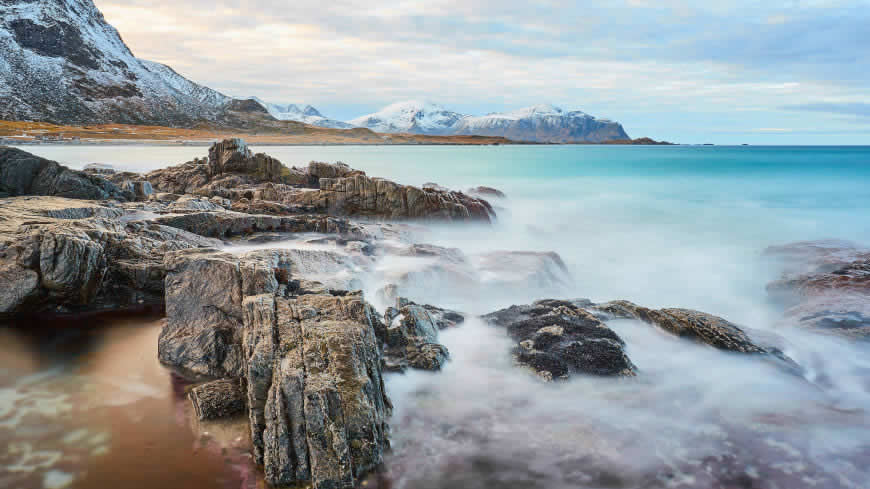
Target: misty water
x: 85, y: 403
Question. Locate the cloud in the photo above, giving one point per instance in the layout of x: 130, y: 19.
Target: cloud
x: 631, y: 60
x: 859, y: 109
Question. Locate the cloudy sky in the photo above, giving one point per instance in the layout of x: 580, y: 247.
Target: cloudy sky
x: 779, y: 72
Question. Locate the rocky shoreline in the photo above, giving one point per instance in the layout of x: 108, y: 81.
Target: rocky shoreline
x: 284, y: 335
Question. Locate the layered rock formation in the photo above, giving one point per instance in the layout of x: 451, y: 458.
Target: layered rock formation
x: 311, y: 362
x: 410, y: 336
x: 22, y: 173
x: 67, y: 255
x: 825, y: 286
x: 232, y: 171
x: 558, y: 339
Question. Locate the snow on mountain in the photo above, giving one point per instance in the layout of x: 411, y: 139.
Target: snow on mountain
x: 301, y: 113
x: 542, y: 123
x: 60, y: 61
x: 538, y: 123
x: 411, y: 116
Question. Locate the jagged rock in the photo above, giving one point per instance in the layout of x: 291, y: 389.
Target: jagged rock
x: 67, y: 255
x: 559, y: 338
x: 318, y: 407
x: 22, y: 173
x: 223, y: 224
x: 360, y: 195
x: 218, y: 399
x: 410, y: 334
x: 311, y: 362
x: 826, y: 286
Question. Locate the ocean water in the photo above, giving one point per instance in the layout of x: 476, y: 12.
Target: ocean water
x: 660, y: 226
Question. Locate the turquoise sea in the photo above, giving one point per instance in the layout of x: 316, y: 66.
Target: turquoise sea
x: 674, y: 226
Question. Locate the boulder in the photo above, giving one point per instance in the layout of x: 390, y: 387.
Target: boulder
x: 140, y: 189
x: 22, y: 173
x: 410, y: 336
x: 558, y: 339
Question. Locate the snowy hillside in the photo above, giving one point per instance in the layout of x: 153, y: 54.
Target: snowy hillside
x: 542, y: 123
x: 412, y: 117
x: 301, y: 113
x: 539, y: 123
x: 61, y: 62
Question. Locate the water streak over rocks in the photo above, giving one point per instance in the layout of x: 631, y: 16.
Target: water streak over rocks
x: 826, y: 286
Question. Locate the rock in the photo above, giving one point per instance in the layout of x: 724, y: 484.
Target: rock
x: 318, y: 407
x: 218, y: 399
x: 22, y: 173
x: 700, y: 327
x: 311, y: 363
x: 360, y: 195
x: 190, y: 203
x: 411, y: 336
x: 225, y: 224
x: 487, y: 192
x: 511, y: 269
x: 140, y: 189
x: 61, y: 255
x: 99, y: 169
x: 558, y: 339
x: 825, y: 286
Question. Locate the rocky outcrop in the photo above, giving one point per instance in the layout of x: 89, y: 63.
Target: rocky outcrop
x: 311, y: 361
x: 558, y: 339
x: 22, y: 173
x: 360, y: 195
x: 487, y: 192
x: 410, y: 336
x: 825, y: 286
x: 64, y: 255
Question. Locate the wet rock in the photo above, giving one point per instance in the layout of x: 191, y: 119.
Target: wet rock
x: 410, y: 336
x: 700, y: 327
x: 22, y: 173
x: 189, y: 203
x: 825, y: 286
x: 218, y: 399
x: 61, y: 255
x: 538, y: 269
x: 558, y: 339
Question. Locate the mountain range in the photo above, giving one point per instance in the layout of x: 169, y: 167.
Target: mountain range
x: 61, y: 62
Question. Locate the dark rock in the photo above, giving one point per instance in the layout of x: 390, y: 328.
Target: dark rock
x: 218, y: 399
x: 558, y: 339
x: 700, y: 327
x: 225, y: 224
x: 22, y: 173
x: 410, y: 336
x: 488, y: 192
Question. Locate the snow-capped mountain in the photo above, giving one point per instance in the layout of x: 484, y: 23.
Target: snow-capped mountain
x: 301, y: 113
x: 411, y: 117
x: 60, y: 61
x: 542, y: 123
x: 538, y: 123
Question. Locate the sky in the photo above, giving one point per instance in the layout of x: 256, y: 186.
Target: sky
x: 775, y: 72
